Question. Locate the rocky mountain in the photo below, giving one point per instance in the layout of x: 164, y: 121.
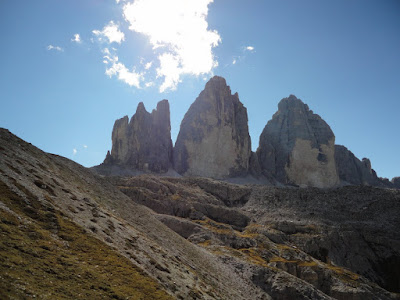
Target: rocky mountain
x: 68, y: 233
x: 298, y: 147
x: 214, y: 138
x: 353, y: 171
x: 143, y: 143
x: 396, y: 182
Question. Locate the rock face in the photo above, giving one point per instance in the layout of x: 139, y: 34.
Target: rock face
x: 144, y: 143
x: 298, y: 147
x: 353, y: 171
x: 396, y: 182
x: 214, y: 139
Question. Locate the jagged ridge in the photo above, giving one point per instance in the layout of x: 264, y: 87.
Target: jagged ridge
x: 296, y: 147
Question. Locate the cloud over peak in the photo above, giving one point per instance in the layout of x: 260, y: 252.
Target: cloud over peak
x: 118, y: 69
x: 178, y: 32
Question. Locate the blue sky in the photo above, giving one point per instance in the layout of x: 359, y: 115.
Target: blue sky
x: 63, y: 93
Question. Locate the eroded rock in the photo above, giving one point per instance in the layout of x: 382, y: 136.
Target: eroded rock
x: 353, y: 171
x: 297, y: 146
x: 143, y: 143
x: 214, y: 139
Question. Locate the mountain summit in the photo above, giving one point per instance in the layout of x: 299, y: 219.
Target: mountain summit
x: 214, y: 138
x: 297, y: 147
x: 145, y: 142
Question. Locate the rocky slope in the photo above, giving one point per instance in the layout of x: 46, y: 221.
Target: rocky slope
x: 69, y: 233
x: 298, y: 147
x: 214, y: 138
x: 342, y: 242
x: 60, y: 204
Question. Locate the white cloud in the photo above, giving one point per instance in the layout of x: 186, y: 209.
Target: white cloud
x: 149, y: 84
x: 56, y: 48
x: 250, y: 48
x: 111, y: 32
x: 169, y: 69
x: 76, y: 38
x: 85, y: 146
x: 118, y: 69
x: 178, y: 32
x: 148, y: 65
x: 74, y: 151
x: 234, y: 61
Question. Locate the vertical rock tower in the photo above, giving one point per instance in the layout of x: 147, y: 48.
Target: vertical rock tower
x: 214, y: 138
x: 298, y: 147
x: 145, y: 142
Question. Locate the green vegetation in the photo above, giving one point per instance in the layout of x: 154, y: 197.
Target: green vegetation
x: 44, y: 254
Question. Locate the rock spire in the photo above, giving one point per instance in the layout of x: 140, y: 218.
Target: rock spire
x: 214, y: 138
x: 297, y: 147
x: 144, y: 143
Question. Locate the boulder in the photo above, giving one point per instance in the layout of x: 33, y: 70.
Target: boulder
x: 214, y: 138
x: 298, y: 146
x: 144, y: 143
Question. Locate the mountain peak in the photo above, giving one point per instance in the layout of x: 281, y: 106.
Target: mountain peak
x: 141, y: 108
x: 214, y: 139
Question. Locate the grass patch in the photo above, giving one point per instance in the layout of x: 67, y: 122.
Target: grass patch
x: 254, y: 257
x: 343, y: 274
x: 206, y: 243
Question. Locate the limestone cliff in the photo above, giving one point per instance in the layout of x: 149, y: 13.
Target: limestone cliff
x: 298, y: 147
x: 396, y: 182
x: 144, y: 143
x: 353, y: 171
x: 214, y: 139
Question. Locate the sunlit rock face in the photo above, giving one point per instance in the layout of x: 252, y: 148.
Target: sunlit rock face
x: 298, y: 147
x: 144, y: 143
x: 214, y: 138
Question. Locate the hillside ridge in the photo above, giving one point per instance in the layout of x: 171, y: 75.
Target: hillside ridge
x: 69, y: 233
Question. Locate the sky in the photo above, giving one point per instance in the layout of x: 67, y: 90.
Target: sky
x: 69, y: 69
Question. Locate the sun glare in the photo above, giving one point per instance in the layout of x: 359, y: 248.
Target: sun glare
x: 178, y: 32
